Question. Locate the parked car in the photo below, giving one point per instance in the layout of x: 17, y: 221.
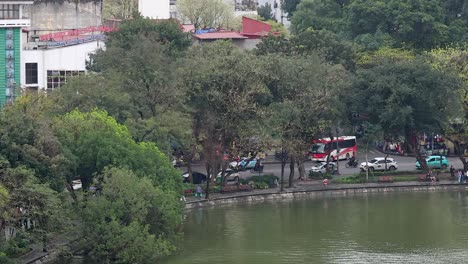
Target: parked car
x: 322, y: 168
x: 230, y: 175
x: 198, y: 177
x: 243, y: 164
x: 378, y: 164
x: 435, y: 162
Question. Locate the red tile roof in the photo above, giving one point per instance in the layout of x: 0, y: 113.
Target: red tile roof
x: 220, y: 35
x: 188, y: 28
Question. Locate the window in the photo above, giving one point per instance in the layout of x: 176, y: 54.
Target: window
x: 31, y: 73
x: 57, y: 78
x: 9, y: 12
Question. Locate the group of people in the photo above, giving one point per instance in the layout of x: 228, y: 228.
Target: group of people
x: 431, y: 177
x: 462, y: 176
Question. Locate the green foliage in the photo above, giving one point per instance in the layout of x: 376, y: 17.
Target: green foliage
x: 405, y: 97
x: 418, y: 24
x: 166, y: 32
x: 317, y: 175
x: 265, y: 11
x: 289, y: 6
x: 356, y: 179
x: 260, y: 182
x: 310, y: 42
x: 129, y: 220
x: 95, y: 140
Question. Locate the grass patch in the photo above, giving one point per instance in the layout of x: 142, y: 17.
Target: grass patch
x: 358, y: 178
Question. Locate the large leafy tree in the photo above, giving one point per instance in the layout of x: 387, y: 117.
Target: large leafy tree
x: 135, y: 86
x: 129, y: 220
x: 167, y: 32
x: 405, y: 98
x: 323, y: 42
x: 455, y: 60
x: 303, y: 88
x: 398, y: 23
x: 95, y: 140
x: 225, y: 94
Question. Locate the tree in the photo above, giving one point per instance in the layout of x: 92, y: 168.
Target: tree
x: 32, y: 208
x: 225, y: 93
x: 303, y: 89
x: 318, y: 14
x: 322, y: 42
x: 165, y: 32
x: 119, y: 9
x: 129, y: 220
x: 206, y: 13
x: 265, y: 12
x: 289, y: 6
x: 397, y: 23
x: 455, y: 60
x: 406, y: 98
x: 95, y: 140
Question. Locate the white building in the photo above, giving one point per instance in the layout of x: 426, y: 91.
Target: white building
x: 155, y: 9
x: 48, y: 68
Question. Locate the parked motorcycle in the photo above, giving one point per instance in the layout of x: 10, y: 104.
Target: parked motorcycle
x: 351, y: 164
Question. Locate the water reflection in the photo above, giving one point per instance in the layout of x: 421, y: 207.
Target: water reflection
x: 388, y: 227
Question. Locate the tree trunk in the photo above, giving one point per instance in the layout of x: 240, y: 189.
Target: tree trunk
x: 208, y: 174
x: 300, y: 168
x: 460, y: 153
x: 283, y: 164
x: 189, y: 169
x: 291, y: 172
x: 421, y: 159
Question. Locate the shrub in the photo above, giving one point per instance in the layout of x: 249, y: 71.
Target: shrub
x: 260, y: 182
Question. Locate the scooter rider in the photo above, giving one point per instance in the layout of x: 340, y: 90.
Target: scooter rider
x: 351, y: 161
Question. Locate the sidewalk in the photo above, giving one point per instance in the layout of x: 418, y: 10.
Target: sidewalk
x: 316, y: 185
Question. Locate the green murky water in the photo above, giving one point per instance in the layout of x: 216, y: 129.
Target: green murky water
x: 417, y: 227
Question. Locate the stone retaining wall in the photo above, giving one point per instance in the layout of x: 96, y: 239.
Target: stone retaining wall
x: 319, y: 193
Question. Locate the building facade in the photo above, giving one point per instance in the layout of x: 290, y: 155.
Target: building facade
x: 155, y: 9
x: 11, y: 22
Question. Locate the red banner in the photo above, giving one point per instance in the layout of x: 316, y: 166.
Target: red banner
x: 58, y: 36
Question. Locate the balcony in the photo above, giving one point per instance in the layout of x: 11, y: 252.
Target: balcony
x: 4, y: 23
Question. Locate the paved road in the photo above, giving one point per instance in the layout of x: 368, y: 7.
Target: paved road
x: 405, y: 163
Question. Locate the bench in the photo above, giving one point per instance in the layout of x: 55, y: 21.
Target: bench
x: 386, y: 179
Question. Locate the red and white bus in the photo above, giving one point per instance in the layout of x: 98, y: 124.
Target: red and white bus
x: 324, y: 146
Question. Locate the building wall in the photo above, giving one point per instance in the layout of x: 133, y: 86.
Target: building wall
x: 157, y: 9
x: 52, y: 16
x: 71, y: 58
x: 9, y: 63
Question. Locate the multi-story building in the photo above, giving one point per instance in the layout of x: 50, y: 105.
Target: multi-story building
x: 11, y: 22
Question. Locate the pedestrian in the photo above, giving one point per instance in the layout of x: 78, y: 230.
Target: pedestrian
x: 452, y: 172
x: 325, y: 182
x: 466, y: 177
x: 460, y: 176
x: 199, y: 192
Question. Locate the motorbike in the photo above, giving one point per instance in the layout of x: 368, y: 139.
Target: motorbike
x: 351, y: 164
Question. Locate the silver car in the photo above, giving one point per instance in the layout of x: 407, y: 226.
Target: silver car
x: 322, y: 168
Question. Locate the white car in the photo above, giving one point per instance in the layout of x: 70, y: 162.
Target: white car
x: 378, y: 164
x: 230, y: 175
x: 322, y: 167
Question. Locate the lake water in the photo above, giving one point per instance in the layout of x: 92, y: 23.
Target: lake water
x: 396, y: 227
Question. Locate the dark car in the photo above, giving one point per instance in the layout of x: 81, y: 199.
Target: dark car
x: 198, y: 177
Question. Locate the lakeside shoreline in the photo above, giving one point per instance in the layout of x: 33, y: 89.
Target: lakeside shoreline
x: 314, y: 190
